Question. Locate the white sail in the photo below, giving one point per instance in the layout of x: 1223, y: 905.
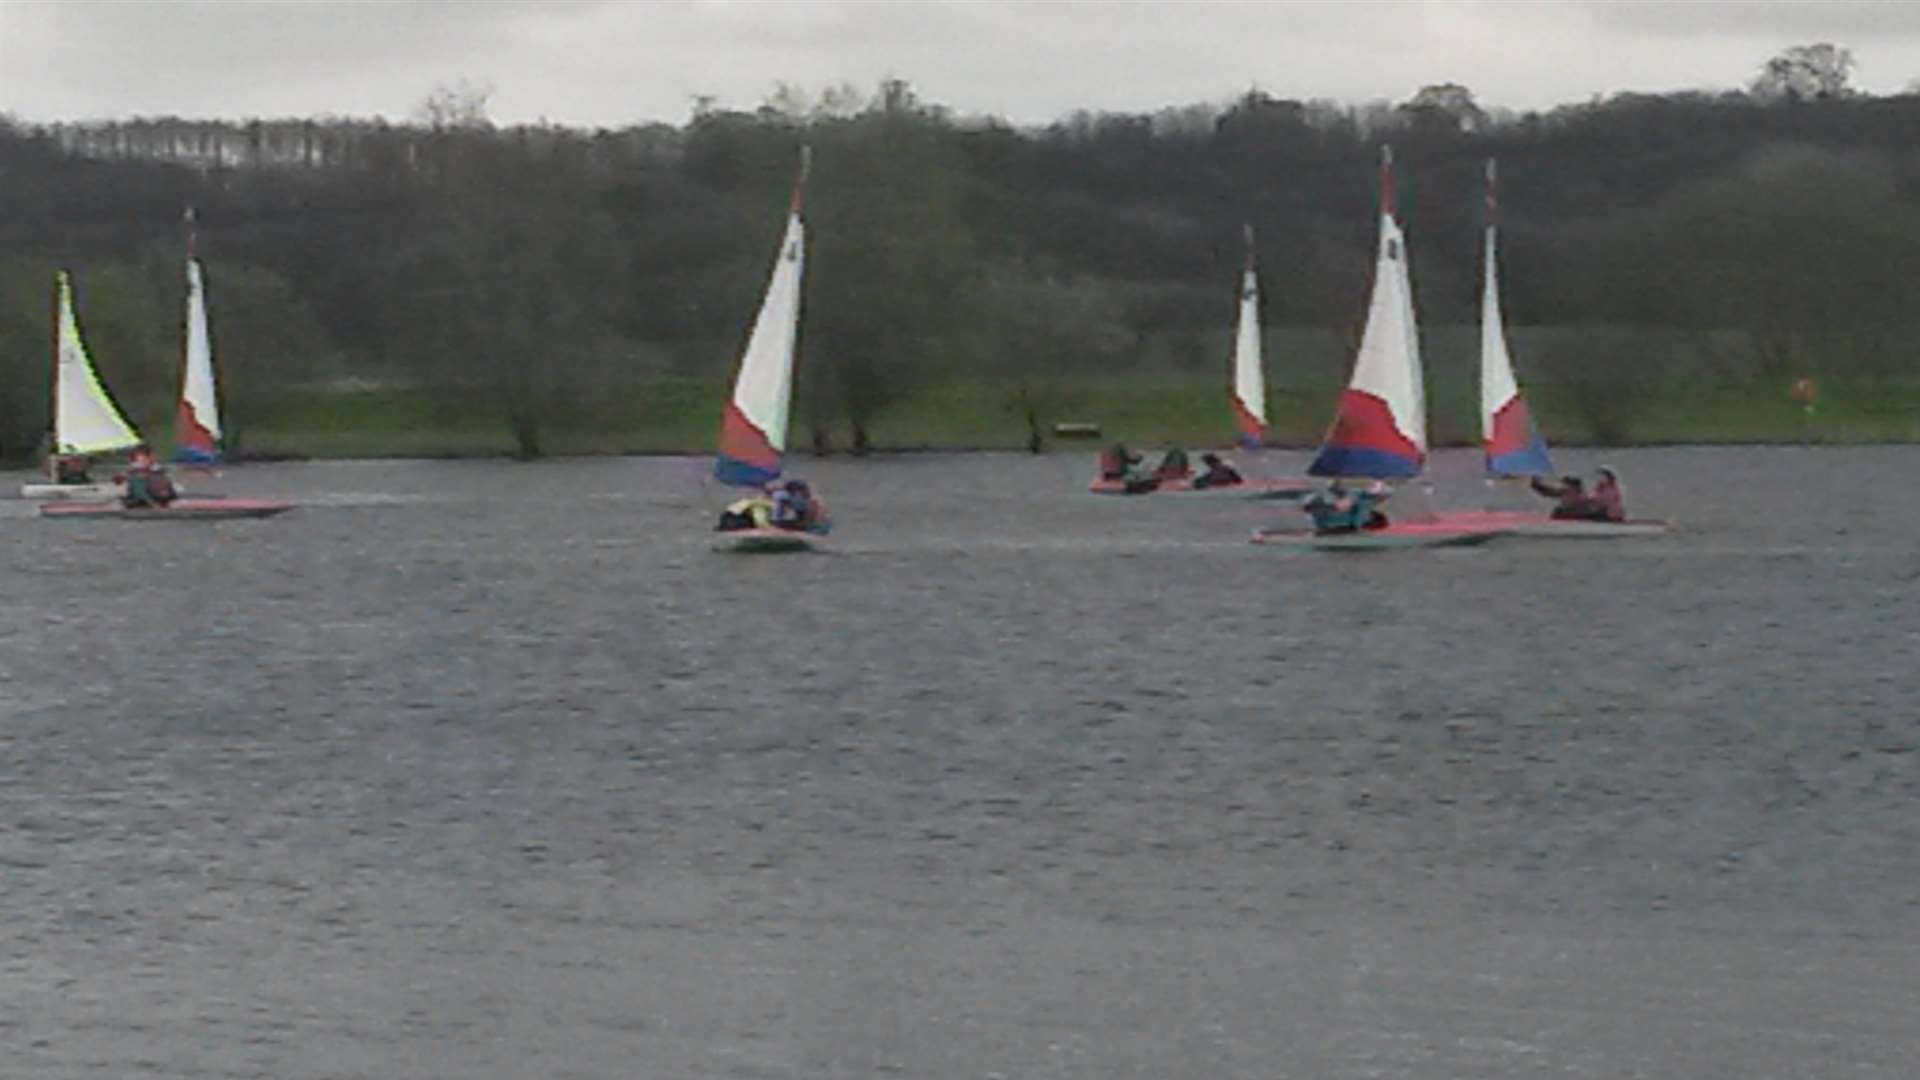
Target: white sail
x: 1249, y: 380
x: 1388, y: 363
x: 1409, y: 329
x: 753, y: 428
x: 764, y: 391
x: 1497, y: 385
x: 1513, y: 446
x: 198, y: 399
x: 1380, y: 426
x: 85, y: 419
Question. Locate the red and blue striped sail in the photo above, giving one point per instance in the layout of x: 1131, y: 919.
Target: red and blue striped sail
x: 1379, y: 429
x: 1249, y: 381
x: 1512, y: 443
x: 196, y: 426
x: 753, y: 428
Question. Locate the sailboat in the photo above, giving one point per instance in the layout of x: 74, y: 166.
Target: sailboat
x: 85, y: 419
x: 1246, y: 396
x: 1510, y: 441
x: 196, y: 424
x: 753, y: 426
x: 1379, y: 430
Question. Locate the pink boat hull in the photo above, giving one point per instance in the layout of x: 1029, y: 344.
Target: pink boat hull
x: 183, y: 509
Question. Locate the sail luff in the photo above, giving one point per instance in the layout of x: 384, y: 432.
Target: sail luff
x: 1249, y: 380
x: 1512, y: 444
x: 1379, y: 427
x: 85, y: 418
x: 753, y: 429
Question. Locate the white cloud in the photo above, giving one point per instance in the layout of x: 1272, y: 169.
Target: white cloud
x: 613, y: 62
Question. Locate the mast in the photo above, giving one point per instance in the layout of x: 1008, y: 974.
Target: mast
x: 53, y: 383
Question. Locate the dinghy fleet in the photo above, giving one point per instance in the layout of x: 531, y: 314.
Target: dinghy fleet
x: 87, y: 422
x: 1379, y: 431
x: 1378, y: 437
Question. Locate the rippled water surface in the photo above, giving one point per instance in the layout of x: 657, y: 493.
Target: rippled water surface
x: 494, y: 770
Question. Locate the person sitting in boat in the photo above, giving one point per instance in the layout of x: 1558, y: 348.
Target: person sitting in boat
x: 748, y: 513
x: 1608, y: 500
x: 147, y: 481
x: 72, y: 469
x: 791, y: 505
x: 1119, y: 463
x: 1218, y: 473
x: 1173, y: 466
x: 1337, y: 510
x: 1367, y: 506
x: 1573, y: 503
x: 753, y: 512
x: 794, y: 507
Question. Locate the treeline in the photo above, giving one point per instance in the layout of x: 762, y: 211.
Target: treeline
x: 531, y: 272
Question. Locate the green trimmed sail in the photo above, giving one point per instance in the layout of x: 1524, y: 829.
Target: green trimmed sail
x: 85, y: 419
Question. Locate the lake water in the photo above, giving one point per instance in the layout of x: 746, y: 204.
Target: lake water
x: 495, y: 770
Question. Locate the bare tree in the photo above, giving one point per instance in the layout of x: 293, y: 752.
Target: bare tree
x: 1818, y: 72
x: 462, y: 106
x: 1452, y: 101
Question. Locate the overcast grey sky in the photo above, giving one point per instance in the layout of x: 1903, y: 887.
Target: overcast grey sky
x: 617, y: 61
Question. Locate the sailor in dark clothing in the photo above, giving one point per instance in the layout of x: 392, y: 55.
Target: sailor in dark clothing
x: 1337, y: 510
x: 72, y: 469
x: 1608, y: 501
x: 147, y: 482
x: 1573, y: 503
x: 1218, y: 473
x: 1117, y: 462
x: 1173, y: 465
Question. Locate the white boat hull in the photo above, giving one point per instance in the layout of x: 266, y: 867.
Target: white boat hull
x: 72, y: 492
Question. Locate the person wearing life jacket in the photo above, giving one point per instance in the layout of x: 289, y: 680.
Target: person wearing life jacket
x: 1117, y: 462
x: 1366, y: 506
x: 1608, y: 501
x: 752, y: 512
x: 791, y: 507
x: 1173, y: 466
x: 1571, y: 494
x: 1331, y: 509
x: 1218, y: 473
x: 71, y: 468
x: 147, y: 482
x: 1337, y: 510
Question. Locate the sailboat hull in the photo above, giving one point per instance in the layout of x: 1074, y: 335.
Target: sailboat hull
x: 186, y: 509
x: 75, y: 492
x: 1411, y: 535
x: 1280, y: 488
x: 768, y: 541
x: 1521, y: 523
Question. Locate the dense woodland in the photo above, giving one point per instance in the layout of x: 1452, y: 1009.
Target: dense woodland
x: 528, y: 271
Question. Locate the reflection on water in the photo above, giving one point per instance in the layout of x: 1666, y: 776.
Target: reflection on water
x: 481, y: 769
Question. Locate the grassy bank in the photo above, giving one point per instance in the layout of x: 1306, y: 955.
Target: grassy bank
x: 680, y: 415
